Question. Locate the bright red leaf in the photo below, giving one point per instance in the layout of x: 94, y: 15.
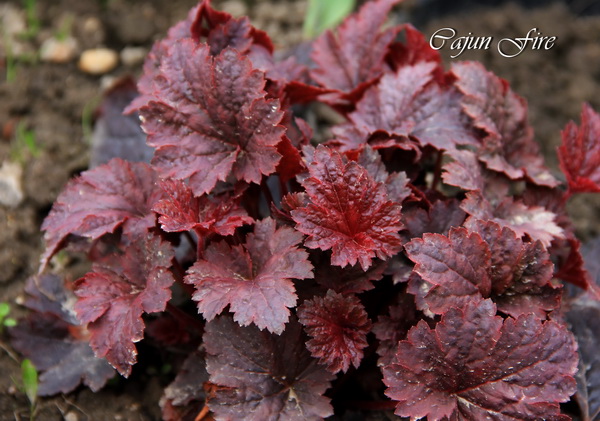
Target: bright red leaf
x: 209, y: 118
x: 474, y: 365
x: 113, y: 297
x: 100, y: 200
x: 509, y: 146
x: 254, y: 279
x: 408, y: 103
x: 579, y: 153
x: 181, y: 211
x: 264, y: 376
x: 349, y: 212
x: 338, y: 327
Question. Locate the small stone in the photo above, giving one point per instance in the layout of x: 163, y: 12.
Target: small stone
x: 98, y: 61
x: 11, y: 192
x: 133, y: 56
x: 58, y: 51
x: 71, y: 416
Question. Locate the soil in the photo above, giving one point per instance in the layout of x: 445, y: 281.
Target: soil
x: 54, y: 102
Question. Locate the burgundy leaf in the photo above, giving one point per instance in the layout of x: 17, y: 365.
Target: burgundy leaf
x: 395, y: 183
x: 253, y: 279
x: 188, y: 386
x: 408, y: 103
x: 349, y: 212
x: 475, y: 365
x: 441, y: 216
x: 392, y: 328
x: 64, y: 360
x: 582, y: 318
x: 456, y: 265
x: 338, y: 327
x: 464, y: 172
x: 264, y: 376
x: 354, y: 59
x: 579, y: 153
x: 536, y: 222
x: 415, y: 49
x: 52, y: 339
x: 509, y: 147
x: 350, y: 279
x: 113, y: 297
x: 209, y: 118
x: 100, y: 200
x: 206, y: 214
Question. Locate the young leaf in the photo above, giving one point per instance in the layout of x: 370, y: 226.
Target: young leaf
x: 100, y: 200
x: 209, y: 118
x: 579, y: 153
x: 29, y: 376
x: 349, y: 212
x: 264, y: 376
x: 207, y: 214
x: 254, y: 279
x: 322, y: 15
x: 113, y: 297
x: 338, y: 327
x: 475, y: 365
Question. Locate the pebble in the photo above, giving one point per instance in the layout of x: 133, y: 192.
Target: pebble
x: 98, y: 61
x: 71, y: 416
x: 133, y: 56
x: 58, y: 51
x: 11, y: 192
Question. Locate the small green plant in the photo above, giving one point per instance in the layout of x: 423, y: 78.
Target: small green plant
x: 24, y: 143
x: 33, y: 22
x: 322, y: 15
x: 64, y: 30
x: 29, y: 377
x: 5, y: 320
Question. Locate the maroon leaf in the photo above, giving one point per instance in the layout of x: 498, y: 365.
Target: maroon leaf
x: 338, y: 327
x: 52, y: 339
x: 536, y: 222
x: 209, y: 118
x: 456, y: 265
x: 188, y: 386
x: 395, y: 183
x: 389, y: 329
x: 475, y: 365
x: 264, y: 376
x: 113, y: 297
x: 349, y: 212
x: 441, y: 216
x: 100, y: 200
x: 408, y: 103
x: 415, y: 49
x: 509, y: 147
x: 464, y: 172
x: 207, y: 214
x: 350, y: 279
x: 354, y: 59
x: 579, y: 153
x: 253, y: 279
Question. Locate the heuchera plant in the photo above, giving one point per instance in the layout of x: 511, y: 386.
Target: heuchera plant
x: 414, y: 261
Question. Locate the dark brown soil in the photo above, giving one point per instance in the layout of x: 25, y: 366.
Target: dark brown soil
x: 54, y: 102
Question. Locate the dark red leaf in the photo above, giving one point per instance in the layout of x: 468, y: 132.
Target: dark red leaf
x: 264, y: 376
x: 100, y: 200
x: 206, y: 214
x: 253, y: 279
x: 53, y: 340
x: 439, y: 218
x: 354, y: 59
x: 338, y: 327
x: 209, y: 118
x: 392, y: 328
x: 582, y: 318
x: 464, y: 172
x: 395, y: 183
x: 509, y: 146
x: 117, y: 135
x: 456, y: 265
x: 474, y: 365
x: 188, y: 386
x: 113, y: 297
x: 350, y: 279
x: 349, y: 212
x: 535, y: 221
x: 408, y: 103
x: 415, y: 49
x: 579, y: 153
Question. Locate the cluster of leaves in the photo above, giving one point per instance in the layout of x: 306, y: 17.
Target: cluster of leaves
x: 417, y: 258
